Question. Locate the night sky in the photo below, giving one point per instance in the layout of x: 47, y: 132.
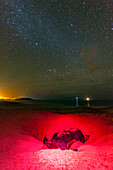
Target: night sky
x: 56, y: 49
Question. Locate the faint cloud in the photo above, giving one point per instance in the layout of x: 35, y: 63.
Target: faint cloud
x: 91, y: 66
x: 89, y: 56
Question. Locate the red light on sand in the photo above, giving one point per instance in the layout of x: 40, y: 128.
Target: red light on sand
x: 59, y: 123
x: 21, y: 151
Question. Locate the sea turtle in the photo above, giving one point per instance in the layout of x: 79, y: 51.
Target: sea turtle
x: 64, y: 139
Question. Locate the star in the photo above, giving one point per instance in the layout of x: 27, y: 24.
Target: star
x: 37, y: 43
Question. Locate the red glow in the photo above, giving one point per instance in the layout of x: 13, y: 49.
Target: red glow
x: 81, y: 122
x: 19, y: 148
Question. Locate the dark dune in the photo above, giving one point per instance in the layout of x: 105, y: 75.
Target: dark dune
x: 25, y: 98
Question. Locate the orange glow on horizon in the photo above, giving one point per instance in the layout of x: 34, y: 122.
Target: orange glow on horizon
x: 6, y: 98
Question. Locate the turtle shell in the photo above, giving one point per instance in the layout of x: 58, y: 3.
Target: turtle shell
x: 61, y: 138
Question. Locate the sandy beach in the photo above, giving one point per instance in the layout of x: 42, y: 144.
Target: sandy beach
x: 22, y: 132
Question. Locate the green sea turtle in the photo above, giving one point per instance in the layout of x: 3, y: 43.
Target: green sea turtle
x: 64, y: 139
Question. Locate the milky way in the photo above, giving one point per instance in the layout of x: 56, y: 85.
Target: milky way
x: 56, y: 48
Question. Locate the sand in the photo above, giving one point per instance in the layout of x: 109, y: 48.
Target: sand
x: 22, y: 132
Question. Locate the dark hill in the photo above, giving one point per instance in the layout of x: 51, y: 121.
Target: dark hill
x: 27, y: 98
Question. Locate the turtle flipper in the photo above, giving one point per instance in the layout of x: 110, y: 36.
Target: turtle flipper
x: 45, y: 139
x: 47, y: 142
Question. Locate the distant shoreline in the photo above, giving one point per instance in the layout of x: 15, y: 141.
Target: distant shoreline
x: 52, y: 107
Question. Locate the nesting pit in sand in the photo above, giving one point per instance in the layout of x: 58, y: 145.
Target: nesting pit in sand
x: 22, y: 133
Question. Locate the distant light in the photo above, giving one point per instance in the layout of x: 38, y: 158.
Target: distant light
x: 77, y: 101
x: 3, y: 98
x: 87, y: 99
x: 6, y: 98
x: 12, y: 98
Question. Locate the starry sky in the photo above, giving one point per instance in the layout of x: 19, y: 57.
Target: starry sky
x: 56, y: 49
